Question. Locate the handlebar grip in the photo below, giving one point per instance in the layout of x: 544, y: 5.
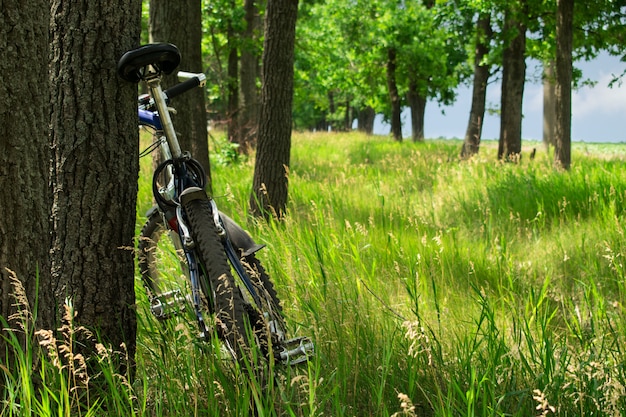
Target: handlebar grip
x: 178, y: 89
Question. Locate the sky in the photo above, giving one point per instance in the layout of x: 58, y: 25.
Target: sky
x: 598, y: 112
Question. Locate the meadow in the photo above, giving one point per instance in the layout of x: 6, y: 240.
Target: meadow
x: 431, y: 287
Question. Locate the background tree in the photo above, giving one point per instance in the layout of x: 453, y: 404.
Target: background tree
x: 513, y: 79
x: 232, y: 78
x: 248, y: 74
x: 94, y: 136
x: 394, y: 94
x: 231, y: 46
x: 24, y: 153
x: 269, y: 193
x: 563, y: 86
x: 473, y: 133
x: 595, y: 26
x: 549, y: 106
x: 431, y: 62
x: 340, y: 70
x: 356, y: 59
x: 180, y: 23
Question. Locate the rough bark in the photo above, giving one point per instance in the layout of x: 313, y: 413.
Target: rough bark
x: 94, y: 136
x: 347, y: 118
x: 473, y: 133
x: 24, y: 155
x: 549, y: 105
x: 180, y: 23
x: 417, y: 104
x: 248, y: 74
x: 394, y: 97
x: 366, y: 120
x: 269, y: 193
x: 232, y: 85
x: 563, y: 87
x: 331, y: 109
x: 513, y: 78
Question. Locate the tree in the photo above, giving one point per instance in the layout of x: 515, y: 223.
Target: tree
x: 348, y: 52
x: 473, y: 133
x: 232, y: 48
x: 340, y: 65
x: 431, y: 63
x: 180, y: 23
x: 549, y: 106
x: 513, y: 79
x: 394, y: 95
x: 94, y: 135
x: 563, y: 85
x: 583, y: 29
x: 24, y: 154
x: 232, y: 80
x: 248, y: 74
x: 269, y: 193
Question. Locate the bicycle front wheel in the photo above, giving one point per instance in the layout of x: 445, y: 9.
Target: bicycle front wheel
x: 231, y: 315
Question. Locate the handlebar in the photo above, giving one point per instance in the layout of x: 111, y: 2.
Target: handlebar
x: 192, y: 81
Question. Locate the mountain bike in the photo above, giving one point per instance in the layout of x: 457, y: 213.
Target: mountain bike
x: 224, y: 284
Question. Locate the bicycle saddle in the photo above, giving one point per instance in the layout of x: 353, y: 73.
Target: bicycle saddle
x: 164, y: 56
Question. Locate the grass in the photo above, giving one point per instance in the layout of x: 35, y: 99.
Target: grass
x: 431, y: 286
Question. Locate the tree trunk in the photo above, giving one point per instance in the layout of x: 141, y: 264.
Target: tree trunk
x: 232, y: 85
x: 563, y: 87
x: 269, y: 191
x: 180, y: 23
x: 513, y: 77
x: 95, y: 143
x: 366, y: 120
x: 24, y: 158
x: 394, y: 97
x: 331, y: 110
x: 417, y: 103
x: 473, y: 133
x: 549, y: 104
x: 347, y: 119
x: 248, y: 74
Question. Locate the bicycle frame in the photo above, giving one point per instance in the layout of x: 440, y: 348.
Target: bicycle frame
x: 168, y: 144
x: 184, y: 185
x: 179, y: 179
x: 154, y: 85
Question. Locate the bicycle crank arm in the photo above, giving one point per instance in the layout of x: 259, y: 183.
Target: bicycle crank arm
x: 169, y: 304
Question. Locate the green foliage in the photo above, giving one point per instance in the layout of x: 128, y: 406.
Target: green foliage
x: 225, y: 152
x: 341, y: 49
x: 223, y: 27
x: 342, y: 52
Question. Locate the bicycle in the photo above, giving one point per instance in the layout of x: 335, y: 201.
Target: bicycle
x: 226, y: 285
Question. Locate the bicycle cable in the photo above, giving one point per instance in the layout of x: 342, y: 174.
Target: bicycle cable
x: 151, y: 148
x: 195, y: 172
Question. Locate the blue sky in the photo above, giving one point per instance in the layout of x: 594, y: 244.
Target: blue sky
x: 598, y: 112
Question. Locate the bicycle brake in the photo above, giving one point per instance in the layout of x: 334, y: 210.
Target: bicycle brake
x: 184, y: 230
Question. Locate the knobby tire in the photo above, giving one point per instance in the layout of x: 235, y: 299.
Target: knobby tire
x: 231, y: 303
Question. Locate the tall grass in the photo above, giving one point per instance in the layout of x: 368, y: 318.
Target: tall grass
x: 474, y: 288
x: 431, y: 287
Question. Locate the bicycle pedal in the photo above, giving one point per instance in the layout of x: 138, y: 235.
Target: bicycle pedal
x: 168, y: 305
x: 296, y: 350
